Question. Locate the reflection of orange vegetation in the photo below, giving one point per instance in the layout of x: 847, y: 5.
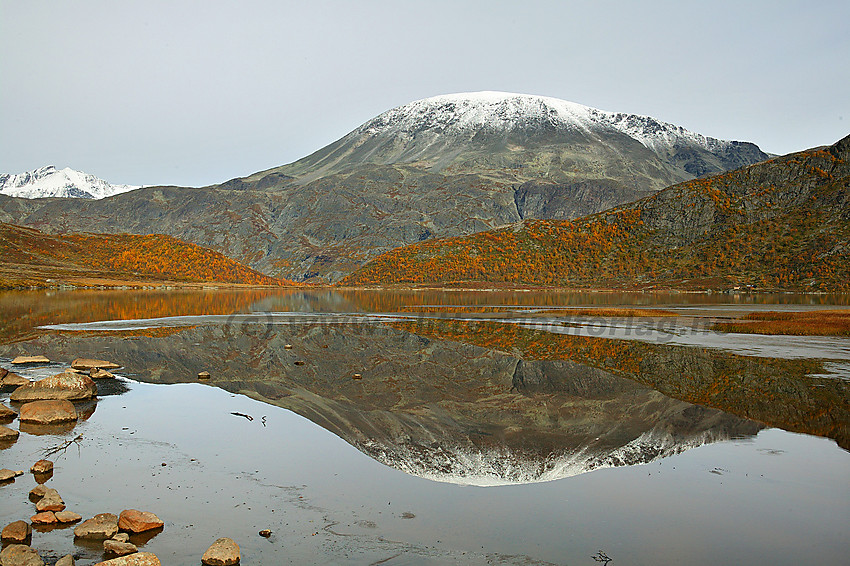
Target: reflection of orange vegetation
x: 26, y: 310
x: 812, y: 323
x: 774, y: 391
x: 146, y: 332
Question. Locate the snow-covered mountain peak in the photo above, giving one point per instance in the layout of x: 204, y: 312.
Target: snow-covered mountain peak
x: 49, y: 181
x: 490, y: 111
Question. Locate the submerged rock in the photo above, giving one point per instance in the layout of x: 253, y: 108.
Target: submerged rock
x: 223, y: 552
x: 18, y: 532
x: 138, y: 521
x: 87, y: 364
x: 67, y: 385
x: 20, y: 555
x: 20, y: 360
x: 136, y: 559
x: 48, y: 412
x: 99, y: 527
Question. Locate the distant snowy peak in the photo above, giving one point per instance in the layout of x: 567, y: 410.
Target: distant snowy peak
x: 52, y: 182
x: 500, y: 111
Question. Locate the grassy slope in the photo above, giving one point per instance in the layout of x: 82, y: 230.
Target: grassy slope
x: 31, y: 257
x: 783, y: 223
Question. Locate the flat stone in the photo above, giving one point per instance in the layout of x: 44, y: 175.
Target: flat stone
x: 47, y: 412
x: 42, y: 467
x: 37, y: 492
x: 8, y: 434
x: 13, y: 380
x: 87, y: 364
x: 44, y: 518
x: 99, y: 527
x: 6, y: 474
x: 100, y: 374
x: 121, y: 537
x: 3, y: 372
x: 118, y: 548
x: 223, y: 552
x: 18, y: 532
x: 20, y: 555
x: 7, y: 414
x: 30, y: 360
x: 66, y: 385
x: 51, y: 501
x: 138, y: 521
x: 68, y: 517
x: 137, y: 559
x: 67, y: 560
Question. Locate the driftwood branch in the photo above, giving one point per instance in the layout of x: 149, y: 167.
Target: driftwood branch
x: 63, y: 446
x: 249, y: 417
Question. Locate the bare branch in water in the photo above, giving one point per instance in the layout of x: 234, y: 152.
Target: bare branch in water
x: 63, y: 446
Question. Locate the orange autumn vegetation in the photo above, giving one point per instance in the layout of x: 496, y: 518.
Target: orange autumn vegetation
x: 164, y: 257
x: 775, y: 225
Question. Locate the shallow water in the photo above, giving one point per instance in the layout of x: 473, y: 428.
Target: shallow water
x: 601, y: 451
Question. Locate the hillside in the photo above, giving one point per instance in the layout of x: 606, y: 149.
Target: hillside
x: 440, y: 167
x: 784, y: 223
x: 32, y: 258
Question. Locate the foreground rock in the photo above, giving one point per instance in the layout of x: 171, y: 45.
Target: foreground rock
x: 13, y: 380
x: 99, y: 527
x: 67, y: 385
x: 88, y: 364
x: 48, y: 412
x: 223, y: 552
x: 7, y: 414
x: 44, y: 518
x: 20, y: 555
x: 51, y: 501
x: 67, y: 560
x: 7, y: 434
x: 42, y: 467
x: 119, y: 548
x: 137, y: 559
x: 68, y: 517
x: 100, y: 374
x: 18, y: 532
x: 138, y: 521
x: 20, y: 360
x: 6, y: 474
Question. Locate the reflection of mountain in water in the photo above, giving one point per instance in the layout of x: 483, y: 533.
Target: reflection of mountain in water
x: 440, y: 409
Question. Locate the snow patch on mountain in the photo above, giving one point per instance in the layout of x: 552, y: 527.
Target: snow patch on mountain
x: 501, y: 111
x: 52, y: 182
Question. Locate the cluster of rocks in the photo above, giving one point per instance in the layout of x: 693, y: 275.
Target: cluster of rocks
x: 49, y: 401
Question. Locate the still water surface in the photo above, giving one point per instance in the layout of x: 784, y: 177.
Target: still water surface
x: 473, y: 435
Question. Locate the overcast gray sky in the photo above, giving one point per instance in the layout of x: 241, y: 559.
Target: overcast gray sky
x: 194, y: 93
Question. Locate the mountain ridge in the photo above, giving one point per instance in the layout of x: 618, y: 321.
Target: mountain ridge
x: 48, y: 181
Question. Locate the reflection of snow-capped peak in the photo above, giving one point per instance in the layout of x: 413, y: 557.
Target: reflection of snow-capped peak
x: 458, y: 114
x: 52, y: 182
x: 494, y: 467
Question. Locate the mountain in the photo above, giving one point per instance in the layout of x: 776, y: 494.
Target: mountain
x: 29, y: 258
x: 446, y: 166
x: 531, y: 137
x: 52, y: 182
x: 783, y: 223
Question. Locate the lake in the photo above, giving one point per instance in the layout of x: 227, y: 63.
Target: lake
x: 441, y: 427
